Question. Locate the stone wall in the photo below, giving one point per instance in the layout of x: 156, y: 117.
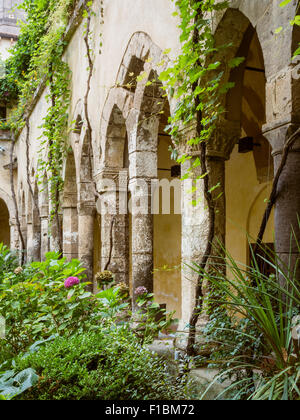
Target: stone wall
x: 126, y: 126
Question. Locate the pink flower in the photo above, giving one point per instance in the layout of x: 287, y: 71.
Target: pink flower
x: 139, y: 291
x: 71, y: 281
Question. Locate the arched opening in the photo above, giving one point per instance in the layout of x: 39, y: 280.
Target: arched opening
x: 70, y: 215
x: 4, y: 224
x: 167, y: 224
x: 250, y: 170
x: 115, y: 219
x: 156, y: 226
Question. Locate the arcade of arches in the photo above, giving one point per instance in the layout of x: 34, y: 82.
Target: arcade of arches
x: 130, y: 153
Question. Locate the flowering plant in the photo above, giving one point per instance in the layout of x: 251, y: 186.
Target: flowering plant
x: 71, y: 281
x: 140, y: 291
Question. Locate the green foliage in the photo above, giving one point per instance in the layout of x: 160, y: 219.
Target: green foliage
x: 8, y: 261
x: 252, y: 330
x: 195, y: 79
x: 22, y: 53
x: 12, y: 384
x: 35, y: 59
x: 151, y: 318
x: 108, y: 364
x: 36, y: 304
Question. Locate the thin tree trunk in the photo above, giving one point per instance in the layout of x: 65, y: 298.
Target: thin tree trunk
x: 211, y: 216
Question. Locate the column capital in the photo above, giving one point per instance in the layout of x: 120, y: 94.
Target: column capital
x: 112, y: 180
x: 220, y: 146
x: 69, y: 200
x: 278, y: 134
x: 86, y: 208
x: 44, y: 211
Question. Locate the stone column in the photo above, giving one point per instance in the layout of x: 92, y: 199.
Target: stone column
x: 142, y: 219
x: 287, y: 205
x: 33, y: 242
x: 29, y: 240
x: 86, y: 214
x: 142, y: 239
x: 70, y: 232
x: 195, y: 219
x: 112, y: 184
x: 44, y: 214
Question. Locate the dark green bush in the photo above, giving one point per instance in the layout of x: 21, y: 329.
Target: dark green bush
x: 109, y: 364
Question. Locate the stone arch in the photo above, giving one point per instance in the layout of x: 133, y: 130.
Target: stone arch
x: 69, y: 206
x: 150, y: 103
x: 140, y: 48
x: 119, y: 101
x: 113, y: 184
x: 8, y: 202
x: 115, y: 139
x: 135, y: 109
x: 78, y: 123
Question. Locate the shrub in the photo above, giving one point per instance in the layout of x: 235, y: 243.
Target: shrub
x: 8, y: 261
x: 252, y: 328
x: 36, y: 304
x: 107, y: 364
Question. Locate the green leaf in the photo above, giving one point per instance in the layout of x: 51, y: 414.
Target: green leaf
x: 284, y: 3
x: 235, y: 62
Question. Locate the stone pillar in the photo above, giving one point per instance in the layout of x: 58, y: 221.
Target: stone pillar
x: 142, y: 226
x: 33, y: 236
x: 70, y: 232
x: 287, y: 205
x: 142, y: 239
x: 142, y: 172
x: 29, y: 240
x: 194, y: 233
x: 55, y: 234
x: 44, y: 214
x: 86, y: 214
x: 14, y: 235
x: 24, y: 234
x: 195, y: 218
x: 114, y: 223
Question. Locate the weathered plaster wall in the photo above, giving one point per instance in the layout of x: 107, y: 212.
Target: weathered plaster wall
x: 158, y: 29
x: 246, y: 201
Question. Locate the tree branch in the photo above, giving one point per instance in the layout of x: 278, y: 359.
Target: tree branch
x: 273, y: 196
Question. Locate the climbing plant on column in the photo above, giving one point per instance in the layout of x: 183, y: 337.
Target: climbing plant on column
x: 37, y: 60
x: 196, y: 82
